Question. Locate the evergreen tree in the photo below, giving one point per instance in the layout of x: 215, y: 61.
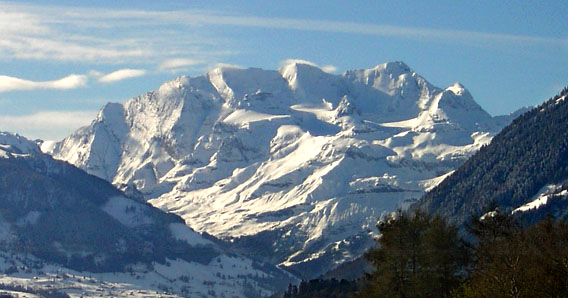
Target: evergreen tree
x: 516, y: 262
x: 418, y: 256
x: 328, y: 288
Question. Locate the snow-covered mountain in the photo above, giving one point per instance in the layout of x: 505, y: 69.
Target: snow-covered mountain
x: 295, y: 165
x: 56, y: 220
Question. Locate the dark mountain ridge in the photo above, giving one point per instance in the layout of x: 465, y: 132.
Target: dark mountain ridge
x: 57, y: 212
x: 526, y: 156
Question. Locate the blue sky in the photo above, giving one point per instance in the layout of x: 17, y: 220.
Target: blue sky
x: 60, y: 62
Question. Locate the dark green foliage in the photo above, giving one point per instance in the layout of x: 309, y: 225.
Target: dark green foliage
x: 422, y: 256
x: 418, y: 256
x: 494, y: 225
x: 528, y: 154
x: 323, y: 288
x: 516, y: 262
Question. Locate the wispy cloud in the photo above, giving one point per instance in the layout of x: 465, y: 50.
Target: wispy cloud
x: 47, y: 33
x: 109, y: 36
x: 329, y: 68
x: 376, y: 29
x: 121, y: 74
x: 326, y: 68
x: 16, y: 84
x: 44, y: 32
x: 298, y: 61
x: 50, y: 125
x: 177, y: 64
x: 20, y: 22
x: 225, y: 65
x: 42, y: 48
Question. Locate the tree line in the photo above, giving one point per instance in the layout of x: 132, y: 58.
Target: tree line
x: 422, y: 255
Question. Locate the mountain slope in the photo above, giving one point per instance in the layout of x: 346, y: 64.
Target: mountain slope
x: 522, y: 170
x: 61, y: 215
x: 294, y: 166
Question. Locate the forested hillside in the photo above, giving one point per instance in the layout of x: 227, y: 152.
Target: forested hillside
x: 529, y: 154
x: 422, y: 255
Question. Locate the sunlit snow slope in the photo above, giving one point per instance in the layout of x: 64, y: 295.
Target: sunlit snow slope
x: 294, y: 165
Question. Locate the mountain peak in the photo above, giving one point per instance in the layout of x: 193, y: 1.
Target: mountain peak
x: 383, y: 76
x: 395, y: 66
x: 16, y: 144
x: 220, y: 69
x: 295, y: 62
x: 457, y: 88
x: 109, y: 111
x: 291, y: 67
x: 173, y: 88
x: 393, y: 69
x: 309, y: 82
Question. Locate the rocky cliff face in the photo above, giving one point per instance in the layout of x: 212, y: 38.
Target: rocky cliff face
x: 295, y: 166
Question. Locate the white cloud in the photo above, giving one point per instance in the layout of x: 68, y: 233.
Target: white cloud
x: 20, y: 22
x: 121, y: 74
x: 225, y: 65
x: 50, y: 47
x: 328, y: 68
x: 423, y: 34
x: 16, y: 84
x: 44, y: 32
x: 49, y: 125
x: 298, y: 61
x: 95, y: 73
x: 177, y: 64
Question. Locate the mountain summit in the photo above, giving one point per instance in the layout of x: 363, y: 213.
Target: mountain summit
x: 294, y: 166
